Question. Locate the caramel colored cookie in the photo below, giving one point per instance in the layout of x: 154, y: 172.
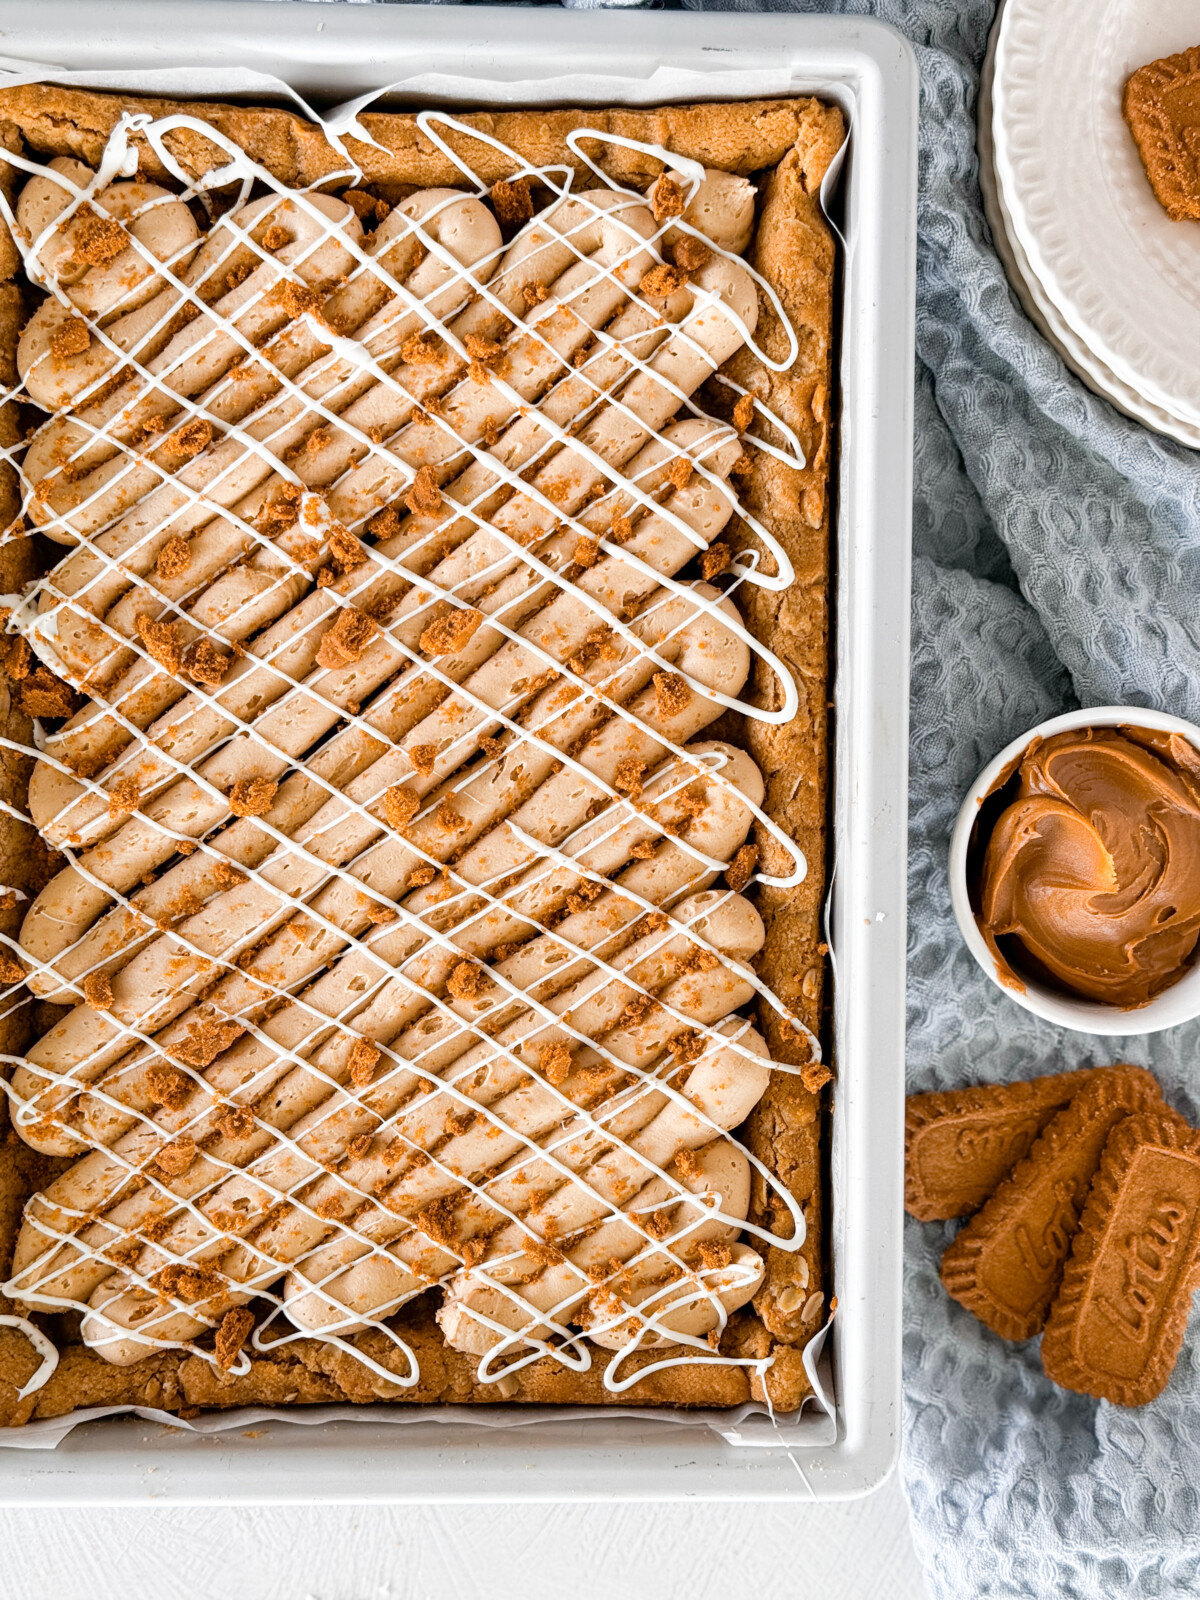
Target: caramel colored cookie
x: 1162, y: 107
x: 958, y: 1145
x: 1006, y: 1263
x: 1118, y: 1322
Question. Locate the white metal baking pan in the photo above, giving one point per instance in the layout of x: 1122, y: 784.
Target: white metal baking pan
x: 332, y: 54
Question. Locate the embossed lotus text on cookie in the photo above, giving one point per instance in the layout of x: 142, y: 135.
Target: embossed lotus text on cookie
x: 1006, y: 1263
x: 1117, y: 1325
x: 959, y: 1144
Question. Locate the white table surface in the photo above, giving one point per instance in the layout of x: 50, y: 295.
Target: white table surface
x: 861, y: 1550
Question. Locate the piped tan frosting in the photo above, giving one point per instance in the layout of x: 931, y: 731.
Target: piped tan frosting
x: 388, y: 916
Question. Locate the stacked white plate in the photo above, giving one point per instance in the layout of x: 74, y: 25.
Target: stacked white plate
x: 1101, y: 269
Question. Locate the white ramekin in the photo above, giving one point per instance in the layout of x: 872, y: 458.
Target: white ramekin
x: 1179, y: 1003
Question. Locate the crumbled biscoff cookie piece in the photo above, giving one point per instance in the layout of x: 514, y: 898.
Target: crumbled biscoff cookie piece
x: 690, y: 254
x: 662, y: 281
x: 124, y: 797
x: 173, y: 559
x: 72, y: 339
x: 425, y: 497
x: 463, y: 982
x: 451, y: 631
x: 714, y: 561
x: 206, y: 1041
x: 97, y: 240
x: 741, y: 869
x: 161, y: 640
x: 400, y: 806
x: 252, y: 797
x: 98, y: 991
x: 343, y: 644
x: 175, y: 1158
x: 44, y: 695
x: 554, y: 1062
x: 205, y: 663
x: 672, y: 694
x: 190, y: 439
x: 236, y: 1327
x: 512, y: 201
x: 168, y: 1086
x: 364, y: 1057
x: 420, y: 349
x: 667, y: 198
x: 297, y: 299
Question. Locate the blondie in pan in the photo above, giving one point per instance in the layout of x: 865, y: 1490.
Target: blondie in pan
x: 416, y: 580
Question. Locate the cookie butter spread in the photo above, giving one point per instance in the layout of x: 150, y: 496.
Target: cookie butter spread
x: 1092, y: 872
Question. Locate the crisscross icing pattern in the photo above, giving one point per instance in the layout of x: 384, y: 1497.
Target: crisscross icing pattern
x: 392, y: 925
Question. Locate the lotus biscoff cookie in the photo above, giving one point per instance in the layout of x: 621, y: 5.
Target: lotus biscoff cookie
x: 958, y: 1145
x: 1162, y: 107
x: 1006, y: 1263
x: 1117, y: 1325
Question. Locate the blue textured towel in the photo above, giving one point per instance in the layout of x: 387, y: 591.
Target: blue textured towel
x: 1058, y: 562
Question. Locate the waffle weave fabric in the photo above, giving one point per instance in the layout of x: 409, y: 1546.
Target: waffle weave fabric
x: 1058, y: 563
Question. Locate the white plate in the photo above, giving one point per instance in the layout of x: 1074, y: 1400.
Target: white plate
x: 1033, y: 297
x: 1123, y: 278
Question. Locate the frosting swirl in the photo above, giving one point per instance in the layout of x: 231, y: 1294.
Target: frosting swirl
x: 1091, y: 875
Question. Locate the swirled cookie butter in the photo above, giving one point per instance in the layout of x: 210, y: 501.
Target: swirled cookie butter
x: 1090, y: 879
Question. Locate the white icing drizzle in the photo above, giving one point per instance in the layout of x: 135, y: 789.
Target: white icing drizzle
x: 681, y: 1279
x: 46, y: 1350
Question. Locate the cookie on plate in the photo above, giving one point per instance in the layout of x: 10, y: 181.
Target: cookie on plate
x: 1162, y: 107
